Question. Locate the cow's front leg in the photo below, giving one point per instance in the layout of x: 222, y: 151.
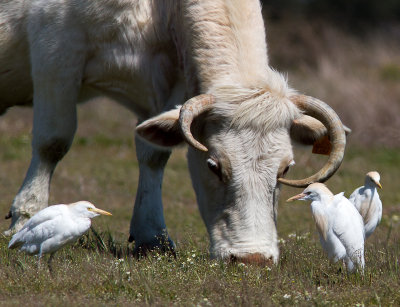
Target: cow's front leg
x: 147, y: 224
x: 56, y: 75
x: 54, y: 126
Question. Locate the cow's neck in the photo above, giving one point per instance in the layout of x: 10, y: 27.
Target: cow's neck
x: 225, y: 44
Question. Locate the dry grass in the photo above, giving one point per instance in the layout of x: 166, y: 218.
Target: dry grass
x: 101, y: 167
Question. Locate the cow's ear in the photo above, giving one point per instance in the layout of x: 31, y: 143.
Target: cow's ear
x: 162, y: 130
x: 307, y: 130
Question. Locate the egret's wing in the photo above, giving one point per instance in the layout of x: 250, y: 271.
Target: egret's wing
x: 46, y: 214
x: 43, y: 217
x: 34, y: 237
x: 66, y: 230
x: 347, y: 224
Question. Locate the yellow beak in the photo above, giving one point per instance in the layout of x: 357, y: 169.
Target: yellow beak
x: 99, y: 211
x: 378, y: 184
x: 296, y: 197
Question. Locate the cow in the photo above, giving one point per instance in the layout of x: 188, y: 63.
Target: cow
x: 195, y: 72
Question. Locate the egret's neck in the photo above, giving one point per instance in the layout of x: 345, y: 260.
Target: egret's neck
x: 322, y: 201
x: 369, y: 184
x: 326, y: 198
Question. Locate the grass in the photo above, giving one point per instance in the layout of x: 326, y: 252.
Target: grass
x: 103, y: 169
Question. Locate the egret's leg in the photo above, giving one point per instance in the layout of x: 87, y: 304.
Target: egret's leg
x: 349, y: 264
x: 148, y: 227
x: 49, y: 263
x: 358, y: 259
x: 56, y: 73
x: 39, y: 257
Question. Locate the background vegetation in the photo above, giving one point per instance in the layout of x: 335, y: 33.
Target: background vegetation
x: 357, y: 72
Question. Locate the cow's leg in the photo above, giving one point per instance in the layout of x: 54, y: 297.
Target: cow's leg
x: 147, y: 224
x: 56, y: 75
x: 54, y: 125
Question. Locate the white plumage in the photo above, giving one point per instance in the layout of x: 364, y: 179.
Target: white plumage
x: 367, y: 202
x: 340, y: 226
x: 55, y: 226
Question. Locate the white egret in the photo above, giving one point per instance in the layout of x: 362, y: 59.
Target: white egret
x: 53, y: 227
x: 340, y: 226
x: 367, y: 202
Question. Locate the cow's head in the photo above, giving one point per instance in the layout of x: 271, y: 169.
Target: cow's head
x: 240, y: 150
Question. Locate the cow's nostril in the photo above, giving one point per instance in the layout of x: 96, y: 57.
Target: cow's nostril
x: 256, y: 258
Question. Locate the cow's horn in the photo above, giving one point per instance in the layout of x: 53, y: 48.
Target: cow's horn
x: 321, y: 111
x: 189, y: 111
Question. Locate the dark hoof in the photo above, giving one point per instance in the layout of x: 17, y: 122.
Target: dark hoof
x: 131, y: 238
x: 161, y: 245
x: 252, y: 259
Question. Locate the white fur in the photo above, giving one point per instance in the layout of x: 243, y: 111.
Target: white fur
x: 151, y: 55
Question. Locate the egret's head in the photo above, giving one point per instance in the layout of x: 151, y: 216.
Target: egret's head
x: 87, y: 209
x: 373, y: 178
x: 314, y: 192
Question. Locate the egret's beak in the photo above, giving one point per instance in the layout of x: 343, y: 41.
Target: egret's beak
x: 297, y: 197
x: 99, y: 211
x: 378, y: 184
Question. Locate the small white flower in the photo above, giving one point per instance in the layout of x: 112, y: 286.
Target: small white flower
x: 287, y: 296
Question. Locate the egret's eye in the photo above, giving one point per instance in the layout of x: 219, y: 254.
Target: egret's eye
x: 214, y: 166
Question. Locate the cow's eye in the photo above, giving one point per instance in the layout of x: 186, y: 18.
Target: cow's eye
x: 214, y: 166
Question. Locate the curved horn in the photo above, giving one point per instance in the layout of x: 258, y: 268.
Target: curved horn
x: 189, y: 111
x: 324, y: 113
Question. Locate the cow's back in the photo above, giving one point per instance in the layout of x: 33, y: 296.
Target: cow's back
x: 126, y: 47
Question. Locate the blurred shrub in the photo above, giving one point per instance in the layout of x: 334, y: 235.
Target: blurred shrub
x: 390, y: 72
x: 345, y: 12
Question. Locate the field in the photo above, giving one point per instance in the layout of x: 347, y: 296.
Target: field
x: 101, y: 167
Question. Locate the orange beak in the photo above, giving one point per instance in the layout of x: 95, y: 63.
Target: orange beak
x: 296, y: 197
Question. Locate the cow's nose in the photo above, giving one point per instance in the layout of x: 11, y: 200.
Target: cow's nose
x: 255, y: 258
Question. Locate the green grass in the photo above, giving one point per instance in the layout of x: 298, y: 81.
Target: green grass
x: 101, y: 167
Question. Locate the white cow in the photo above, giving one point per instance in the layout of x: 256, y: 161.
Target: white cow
x: 152, y: 56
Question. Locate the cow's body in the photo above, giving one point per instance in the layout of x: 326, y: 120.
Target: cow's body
x: 151, y: 56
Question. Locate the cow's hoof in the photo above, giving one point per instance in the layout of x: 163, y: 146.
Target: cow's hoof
x: 160, y: 245
x: 253, y: 259
x: 17, y: 222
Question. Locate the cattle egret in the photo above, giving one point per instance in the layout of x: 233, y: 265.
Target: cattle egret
x: 53, y: 227
x: 340, y: 226
x: 367, y: 202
